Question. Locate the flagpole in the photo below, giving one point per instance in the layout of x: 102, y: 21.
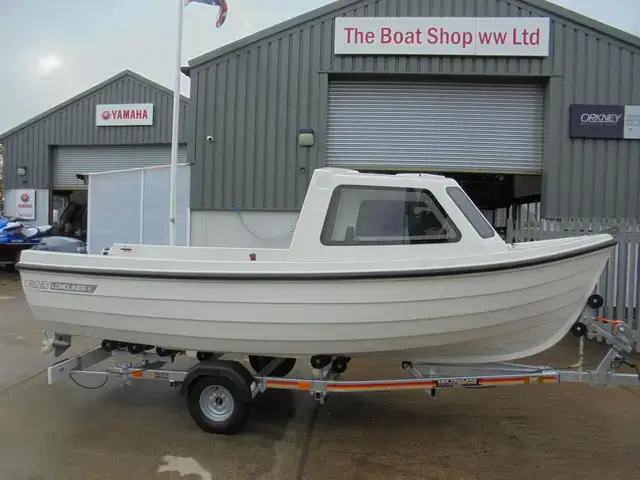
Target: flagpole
x: 175, y: 127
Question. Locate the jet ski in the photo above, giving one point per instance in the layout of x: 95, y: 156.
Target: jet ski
x: 16, y: 235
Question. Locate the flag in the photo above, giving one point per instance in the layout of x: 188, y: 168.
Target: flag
x: 222, y: 16
x: 221, y: 4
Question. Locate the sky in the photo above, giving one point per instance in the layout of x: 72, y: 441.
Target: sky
x: 53, y: 50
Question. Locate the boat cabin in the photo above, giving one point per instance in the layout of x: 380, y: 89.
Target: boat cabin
x: 379, y: 210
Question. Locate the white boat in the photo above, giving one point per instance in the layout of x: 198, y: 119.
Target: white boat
x: 390, y: 266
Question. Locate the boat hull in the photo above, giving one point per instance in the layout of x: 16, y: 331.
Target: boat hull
x: 478, y: 317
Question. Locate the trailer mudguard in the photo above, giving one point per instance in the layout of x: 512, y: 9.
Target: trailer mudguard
x: 230, y: 369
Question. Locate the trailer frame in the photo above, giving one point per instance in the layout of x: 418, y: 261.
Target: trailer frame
x: 220, y: 392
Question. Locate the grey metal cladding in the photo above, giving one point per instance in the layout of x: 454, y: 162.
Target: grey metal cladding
x: 73, y: 123
x: 588, y: 177
x: 253, y: 95
x: 252, y: 105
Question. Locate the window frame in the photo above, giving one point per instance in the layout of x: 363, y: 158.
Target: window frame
x: 333, y: 208
x: 471, y: 212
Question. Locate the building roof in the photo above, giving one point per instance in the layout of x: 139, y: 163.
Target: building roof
x: 544, y: 6
x: 89, y: 92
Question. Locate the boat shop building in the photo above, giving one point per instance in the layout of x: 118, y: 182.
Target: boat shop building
x: 522, y: 101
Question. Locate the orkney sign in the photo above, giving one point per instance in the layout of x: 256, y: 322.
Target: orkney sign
x: 472, y: 36
x: 121, y: 115
x: 618, y: 122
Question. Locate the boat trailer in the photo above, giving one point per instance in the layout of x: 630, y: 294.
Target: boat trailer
x: 219, y: 392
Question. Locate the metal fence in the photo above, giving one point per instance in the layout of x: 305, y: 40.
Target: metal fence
x: 618, y: 284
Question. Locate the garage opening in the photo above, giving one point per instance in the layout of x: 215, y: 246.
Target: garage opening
x: 489, y: 137
x: 69, y: 187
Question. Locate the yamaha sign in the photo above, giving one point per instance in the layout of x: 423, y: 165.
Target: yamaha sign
x: 604, y: 121
x: 121, y: 115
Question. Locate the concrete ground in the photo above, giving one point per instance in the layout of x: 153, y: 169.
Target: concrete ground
x: 144, y: 431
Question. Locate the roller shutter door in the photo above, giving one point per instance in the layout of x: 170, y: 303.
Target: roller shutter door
x: 69, y: 161
x: 455, y: 127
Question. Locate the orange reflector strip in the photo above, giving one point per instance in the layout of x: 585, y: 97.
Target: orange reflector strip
x: 517, y: 380
x: 138, y: 374
x: 381, y: 386
x: 409, y: 384
x: 302, y: 385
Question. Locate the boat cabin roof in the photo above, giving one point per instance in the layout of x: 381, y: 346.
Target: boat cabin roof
x: 378, y: 178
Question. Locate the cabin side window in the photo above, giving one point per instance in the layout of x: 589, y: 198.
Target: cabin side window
x: 364, y: 215
x: 469, y: 210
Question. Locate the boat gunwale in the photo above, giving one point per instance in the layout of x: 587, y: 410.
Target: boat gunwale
x: 321, y: 276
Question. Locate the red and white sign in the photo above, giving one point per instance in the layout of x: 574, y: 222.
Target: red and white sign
x: 26, y: 204
x: 473, y: 36
x: 121, y: 115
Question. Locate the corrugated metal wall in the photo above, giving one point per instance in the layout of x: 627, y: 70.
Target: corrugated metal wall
x: 75, y: 125
x: 590, y: 178
x: 253, y: 101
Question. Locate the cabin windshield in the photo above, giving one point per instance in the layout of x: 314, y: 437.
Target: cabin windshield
x: 477, y: 220
x: 364, y: 215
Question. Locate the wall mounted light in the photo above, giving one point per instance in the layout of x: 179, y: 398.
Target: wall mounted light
x: 306, y: 137
x: 22, y: 171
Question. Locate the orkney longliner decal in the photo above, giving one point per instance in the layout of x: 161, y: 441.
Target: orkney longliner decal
x: 64, y: 287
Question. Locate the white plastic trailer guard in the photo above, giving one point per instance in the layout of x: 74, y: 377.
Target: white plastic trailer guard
x: 130, y: 206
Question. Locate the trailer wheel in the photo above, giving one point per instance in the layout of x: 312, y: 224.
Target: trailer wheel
x: 259, y: 362
x: 216, y: 405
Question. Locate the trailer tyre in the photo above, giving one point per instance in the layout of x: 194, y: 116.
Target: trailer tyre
x: 217, y: 405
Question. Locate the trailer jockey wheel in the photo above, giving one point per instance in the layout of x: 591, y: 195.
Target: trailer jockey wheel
x: 595, y: 301
x: 579, y: 329
x: 258, y: 363
x: 216, y: 405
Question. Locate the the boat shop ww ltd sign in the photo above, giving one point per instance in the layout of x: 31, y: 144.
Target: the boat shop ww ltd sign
x: 475, y: 36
